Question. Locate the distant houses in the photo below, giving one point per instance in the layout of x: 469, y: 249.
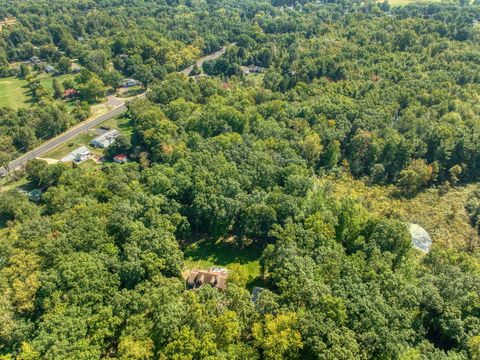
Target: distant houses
x: 106, y: 139
x: 78, y: 155
x: 252, y: 69
x: 215, y: 277
x: 34, y: 60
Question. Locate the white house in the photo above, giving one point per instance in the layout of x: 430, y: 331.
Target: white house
x: 78, y: 155
x: 105, y: 140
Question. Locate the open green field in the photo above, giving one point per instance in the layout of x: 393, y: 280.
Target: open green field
x: 243, y: 264
x: 13, y: 93
x: 47, y: 80
x: 121, y: 123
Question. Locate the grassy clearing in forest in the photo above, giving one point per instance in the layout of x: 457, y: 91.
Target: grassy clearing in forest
x: 13, y: 93
x: 243, y: 263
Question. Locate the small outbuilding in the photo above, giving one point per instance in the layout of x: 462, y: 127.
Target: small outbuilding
x: 120, y: 159
x: 68, y: 93
x: 257, y: 290
x: 50, y: 69
x: 35, y: 195
x: 252, y: 69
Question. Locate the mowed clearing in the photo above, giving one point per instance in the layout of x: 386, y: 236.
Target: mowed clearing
x: 13, y: 92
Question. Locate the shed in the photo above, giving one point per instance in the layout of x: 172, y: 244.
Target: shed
x: 69, y: 93
x: 50, y: 69
x: 120, y: 159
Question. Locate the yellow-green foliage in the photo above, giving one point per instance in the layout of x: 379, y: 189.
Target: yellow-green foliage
x: 442, y: 215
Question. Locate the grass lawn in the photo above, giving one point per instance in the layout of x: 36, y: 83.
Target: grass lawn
x: 206, y: 253
x: 66, y: 148
x: 121, y: 123
x: 133, y: 91
x: 7, y: 183
x: 47, y: 80
x: 13, y: 93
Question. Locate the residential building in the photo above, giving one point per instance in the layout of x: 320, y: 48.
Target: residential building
x: 35, y: 60
x: 78, y: 155
x: 120, y: 159
x: 252, y: 69
x: 106, y: 139
x: 215, y: 277
x: 69, y: 93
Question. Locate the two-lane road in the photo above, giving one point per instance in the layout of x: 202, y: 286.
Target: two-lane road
x: 62, y: 138
x: 86, y: 125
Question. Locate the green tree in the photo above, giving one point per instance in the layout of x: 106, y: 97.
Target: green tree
x: 414, y: 177
x: 277, y: 337
x: 57, y: 89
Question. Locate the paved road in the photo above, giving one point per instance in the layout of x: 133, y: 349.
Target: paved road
x: 86, y: 125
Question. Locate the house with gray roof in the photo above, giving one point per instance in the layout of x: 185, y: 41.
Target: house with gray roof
x: 106, y: 139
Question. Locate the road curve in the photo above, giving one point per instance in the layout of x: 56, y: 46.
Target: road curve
x: 86, y: 125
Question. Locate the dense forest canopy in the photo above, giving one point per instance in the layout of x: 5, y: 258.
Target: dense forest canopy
x: 347, y: 89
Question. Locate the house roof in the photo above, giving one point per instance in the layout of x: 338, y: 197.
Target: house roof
x: 106, y: 138
x: 69, y: 92
x: 81, y: 151
x: 215, y: 277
